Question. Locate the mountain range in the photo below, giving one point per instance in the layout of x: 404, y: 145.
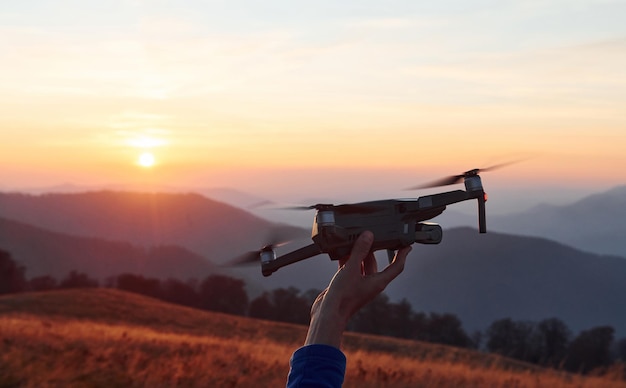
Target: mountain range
x: 596, y: 223
x: 482, y: 278
x: 478, y: 277
x: 43, y: 252
x: 206, y: 227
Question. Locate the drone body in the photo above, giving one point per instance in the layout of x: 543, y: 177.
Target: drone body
x: 395, y: 223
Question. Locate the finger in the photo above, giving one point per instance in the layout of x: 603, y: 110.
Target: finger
x: 360, y: 250
x: 396, y: 267
x: 369, y: 265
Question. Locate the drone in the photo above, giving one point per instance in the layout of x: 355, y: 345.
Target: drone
x: 395, y: 223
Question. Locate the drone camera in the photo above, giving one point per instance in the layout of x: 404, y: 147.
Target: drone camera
x: 428, y: 233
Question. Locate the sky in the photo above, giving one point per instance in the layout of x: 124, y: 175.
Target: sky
x: 295, y: 100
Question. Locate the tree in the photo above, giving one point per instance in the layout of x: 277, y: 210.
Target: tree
x: 621, y: 349
x: 400, y: 322
x: 42, y: 283
x: 139, y: 285
x: 282, y: 304
x: 289, y: 306
x: 555, y: 336
x: 500, y: 336
x: 590, y: 349
x: 176, y: 291
x: 446, y: 329
x: 11, y: 275
x: 224, y: 294
x: 373, y: 318
x: 78, y: 280
x: 519, y: 340
x: 419, y: 326
x: 262, y: 307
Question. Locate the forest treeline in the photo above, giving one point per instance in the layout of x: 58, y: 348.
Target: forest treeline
x: 547, y: 343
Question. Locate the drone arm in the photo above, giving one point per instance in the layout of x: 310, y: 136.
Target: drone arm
x: 443, y: 199
x: 290, y: 258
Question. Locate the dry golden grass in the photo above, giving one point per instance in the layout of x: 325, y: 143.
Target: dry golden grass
x: 105, y: 338
x: 39, y: 352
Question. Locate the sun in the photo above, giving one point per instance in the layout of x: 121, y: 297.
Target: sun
x: 146, y: 160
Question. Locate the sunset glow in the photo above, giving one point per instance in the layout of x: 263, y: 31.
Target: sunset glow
x: 340, y: 92
x: 146, y: 142
x: 146, y: 159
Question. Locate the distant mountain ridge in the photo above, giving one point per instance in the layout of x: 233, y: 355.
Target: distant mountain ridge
x: 207, y: 227
x: 43, y: 252
x: 596, y: 223
x: 486, y: 277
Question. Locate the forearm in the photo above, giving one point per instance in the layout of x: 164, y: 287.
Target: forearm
x: 326, y: 328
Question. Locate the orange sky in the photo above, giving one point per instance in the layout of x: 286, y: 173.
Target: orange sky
x: 398, y: 98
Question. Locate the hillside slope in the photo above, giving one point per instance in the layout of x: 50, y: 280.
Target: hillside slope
x: 596, y: 223
x: 206, y: 227
x: 486, y: 277
x: 113, y: 306
x: 43, y: 252
x: 101, y: 337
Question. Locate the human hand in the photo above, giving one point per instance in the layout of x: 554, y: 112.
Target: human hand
x: 356, y: 282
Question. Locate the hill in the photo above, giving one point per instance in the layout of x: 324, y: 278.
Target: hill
x: 113, y: 306
x: 596, y: 223
x: 101, y: 337
x: 486, y: 277
x: 206, y: 227
x: 43, y: 252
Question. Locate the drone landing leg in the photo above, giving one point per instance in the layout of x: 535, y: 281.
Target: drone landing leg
x: 390, y: 255
x: 482, y: 219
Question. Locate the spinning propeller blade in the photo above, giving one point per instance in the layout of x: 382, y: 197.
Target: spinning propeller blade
x: 440, y: 182
x: 453, y: 179
x: 303, y: 207
x: 346, y: 208
x: 254, y: 257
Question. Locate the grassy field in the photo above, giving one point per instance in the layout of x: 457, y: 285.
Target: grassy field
x: 106, y: 338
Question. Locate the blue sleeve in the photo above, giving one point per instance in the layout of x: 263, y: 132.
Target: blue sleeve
x: 317, y: 366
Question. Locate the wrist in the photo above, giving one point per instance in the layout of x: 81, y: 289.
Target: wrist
x: 326, y: 327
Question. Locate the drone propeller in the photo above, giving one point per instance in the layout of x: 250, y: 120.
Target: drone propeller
x: 299, y: 207
x: 453, y: 179
x: 345, y: 209
x: 253, y: 257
